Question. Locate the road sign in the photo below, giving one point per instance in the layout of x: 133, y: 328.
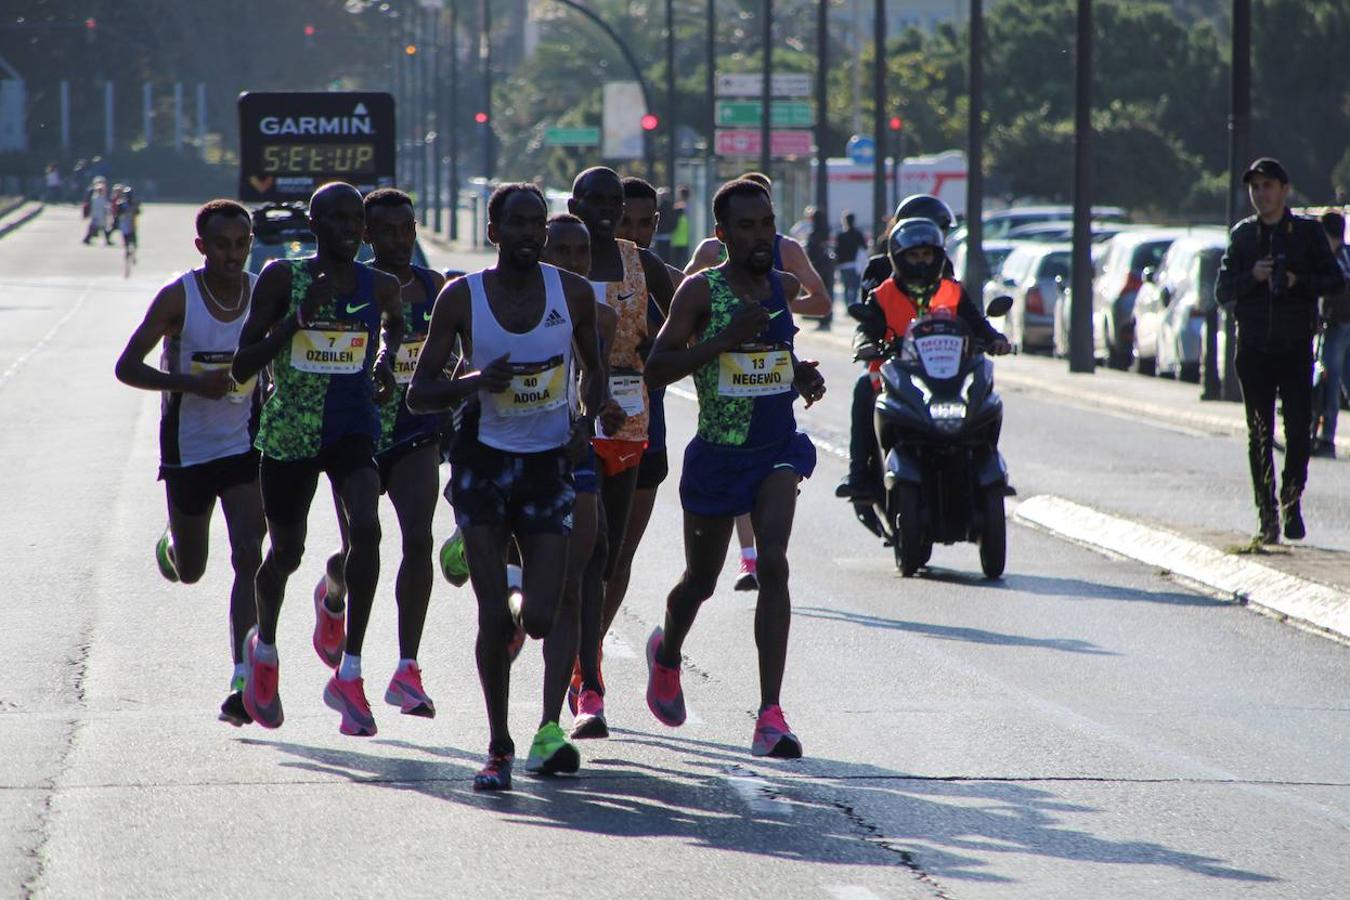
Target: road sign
x: 583, y: 136
x: 751, y: 84
x: 862, y: 150
x: 745, y: 142
x: 746, y: 114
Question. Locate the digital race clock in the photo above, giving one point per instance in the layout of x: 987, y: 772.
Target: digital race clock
x: 291, y: 143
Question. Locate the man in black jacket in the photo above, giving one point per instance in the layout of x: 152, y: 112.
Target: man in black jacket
x: 1275, y: 268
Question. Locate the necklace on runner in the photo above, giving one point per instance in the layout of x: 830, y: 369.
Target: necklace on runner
x: 238, y: 303
x: 408, y: 283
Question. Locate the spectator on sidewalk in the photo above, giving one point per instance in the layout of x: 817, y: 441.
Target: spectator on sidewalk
x: 1276, y: 266
x: 820, y: 252
x: 665, y: 227
x: 850, y: 256
x: 1335, y: 337
x: 52, y: 179
x: 679, y: 233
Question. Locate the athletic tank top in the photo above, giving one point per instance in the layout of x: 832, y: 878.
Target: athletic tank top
x: 745, y: 396
x: 322, y: 386
x: 193, y: 429
x: 398, y: 425
x: 531, y: 415
x: 628, y: 299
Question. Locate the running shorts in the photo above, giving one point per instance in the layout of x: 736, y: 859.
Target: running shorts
x: 288, y: 485
x: 616, y: 456
x: 529, y: 493
x: 723, y: 482
x: 193, y: 490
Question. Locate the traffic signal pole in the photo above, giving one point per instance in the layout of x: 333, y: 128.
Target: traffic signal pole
x: 1081, y: 354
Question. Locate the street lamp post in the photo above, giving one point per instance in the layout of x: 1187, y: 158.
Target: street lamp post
x: 1239, y: 131
x: 977, y: 270
x: 879, y: 216
x: 485, y: 60
x: 1081, y: 356
x: 452, y: 119
x: 766, y: 93
x: 710, y: 149
x: 822, y: 120
x: 670, y: 97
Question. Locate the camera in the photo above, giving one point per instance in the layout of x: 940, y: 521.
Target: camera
x: 1278, y: 279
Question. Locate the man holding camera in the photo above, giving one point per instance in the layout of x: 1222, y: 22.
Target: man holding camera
x: 1275, y: 268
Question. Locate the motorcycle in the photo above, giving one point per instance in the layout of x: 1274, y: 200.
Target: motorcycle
x: 937, y: 422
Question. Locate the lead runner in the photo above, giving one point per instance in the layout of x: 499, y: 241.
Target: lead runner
x: 730, y: 327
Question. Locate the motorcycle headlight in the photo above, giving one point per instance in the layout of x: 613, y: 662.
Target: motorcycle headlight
x: 948, y: 416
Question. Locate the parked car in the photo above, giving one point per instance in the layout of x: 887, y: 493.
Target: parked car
x: 281, y: 231
x: 1169, y: 311
x: 1062, y: 232
x: 995, y: 252
x: 1032, y: 275
x: 1116, y: 281
x: 997, y: 224
x: 1064, y: 304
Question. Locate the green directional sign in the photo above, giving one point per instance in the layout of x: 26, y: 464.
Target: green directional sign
x: 746, y: 114
x: 583, y: 136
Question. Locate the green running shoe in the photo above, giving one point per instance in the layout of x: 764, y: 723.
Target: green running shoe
x: 454, y: 566
x: 552, y: 752
x: 164, y: 557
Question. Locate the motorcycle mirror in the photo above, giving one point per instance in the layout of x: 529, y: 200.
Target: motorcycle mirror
x: 999, y: 306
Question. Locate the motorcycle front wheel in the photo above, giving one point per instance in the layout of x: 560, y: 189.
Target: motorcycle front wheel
x: 909, y: 549
x: 994, y: 536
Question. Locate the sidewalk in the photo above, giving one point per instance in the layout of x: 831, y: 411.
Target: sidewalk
x: 1307, y: 584
x: 17, y: 212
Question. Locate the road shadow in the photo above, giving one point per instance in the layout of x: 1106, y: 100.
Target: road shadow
x: 1054, y: 586
x: 714, y: 795
x: 953, y: 632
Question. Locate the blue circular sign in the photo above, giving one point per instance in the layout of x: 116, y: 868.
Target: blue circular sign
x: 862, y: 150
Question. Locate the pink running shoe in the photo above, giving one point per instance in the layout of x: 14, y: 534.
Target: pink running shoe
x: 665, y: 698
x: 748, y: 580
x: 262, y: 698
x: 773, y: 737
x: 405, y: 692
x: 590, y: 717
x: 330, y: 635
x: 349, y: 698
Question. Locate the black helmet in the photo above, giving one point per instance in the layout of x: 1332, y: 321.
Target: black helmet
x: 907, y: 235
x: 926, y: 206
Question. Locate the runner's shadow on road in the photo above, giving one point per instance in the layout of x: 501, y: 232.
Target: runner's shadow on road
x: 953, y: 632
x: 715, y: 796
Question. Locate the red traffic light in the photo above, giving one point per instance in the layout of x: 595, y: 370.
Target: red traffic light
x: 480, y: 117
x: 650, y: 122
x: 896, y: 123
x: 309, y: 31
x: 91, y: 23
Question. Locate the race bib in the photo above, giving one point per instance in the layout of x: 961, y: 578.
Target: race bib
x: 330, y: 348
x: 406, y: 360
x: 754, y: 370
x: 535, y: 388
x: 212, y: 361
x: 626, y: 389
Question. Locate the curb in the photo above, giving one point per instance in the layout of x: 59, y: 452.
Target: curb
x: 7, y: 227
x: 1310, y: 604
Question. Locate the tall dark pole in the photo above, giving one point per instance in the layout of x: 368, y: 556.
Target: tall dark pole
x: 671, y: 136
x: 485, y: 59
x: 1081, y: 357
x: 711, y: 88
x: 766, y: 94
x: 977, y: 271
x: 437, y: 50
x: 452, y: 118
x: 1239, y: 136
x: 419, y: 61
x: 879, y: 212
x: 822, y: 120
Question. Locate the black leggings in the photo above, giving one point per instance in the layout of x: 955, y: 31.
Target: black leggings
x: 1263, y: 376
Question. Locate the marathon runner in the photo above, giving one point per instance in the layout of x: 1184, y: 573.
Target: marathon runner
x: 206, y: 419
x: 569, y: 248
x: 631, y: 278
x: 638, y: 224
x: 511, y: 471
x: 408, y: 454
x: 317, y: 321
x: 812, y: 300
x: 729, y: 328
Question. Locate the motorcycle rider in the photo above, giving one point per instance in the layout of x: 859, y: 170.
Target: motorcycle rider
x: 919, y: 284
x: 915, y: 206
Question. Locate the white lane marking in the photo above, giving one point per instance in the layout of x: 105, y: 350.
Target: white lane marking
x: 851, y: 892
x: 15, y: 366
x: 617, y: 648
x: 758, y: 795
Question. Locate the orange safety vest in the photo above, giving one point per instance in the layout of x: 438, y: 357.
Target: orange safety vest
x: 900, y: 310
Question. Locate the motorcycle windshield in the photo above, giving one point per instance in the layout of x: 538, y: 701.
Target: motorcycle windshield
x: 938, y: 346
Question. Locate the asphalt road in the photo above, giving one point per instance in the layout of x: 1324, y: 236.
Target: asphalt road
x: 1083, y: 728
